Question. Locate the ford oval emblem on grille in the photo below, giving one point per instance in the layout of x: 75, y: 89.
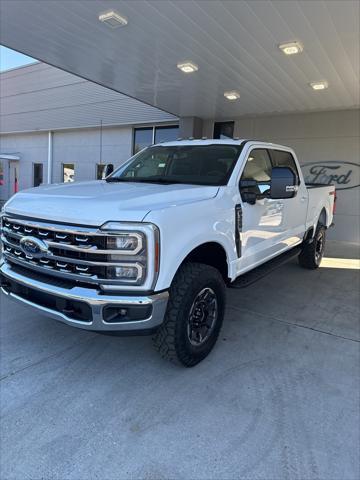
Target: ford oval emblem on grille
x: 33, y: 246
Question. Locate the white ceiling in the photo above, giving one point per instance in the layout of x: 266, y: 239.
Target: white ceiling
x: 234, y: 44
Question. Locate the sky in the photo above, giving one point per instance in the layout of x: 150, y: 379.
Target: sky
x: 10, y: 59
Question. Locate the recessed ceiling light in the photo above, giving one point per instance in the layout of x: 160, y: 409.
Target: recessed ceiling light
x: 291, y: 48
x: 187, y: 67
x: 113, y: 19
x: 232, y: 95
x: 319, y: 85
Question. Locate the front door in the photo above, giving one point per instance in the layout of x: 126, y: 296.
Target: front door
x: 262, y: 223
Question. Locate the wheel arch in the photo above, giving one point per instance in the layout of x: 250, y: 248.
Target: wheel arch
x: 210, y: 253
x: 323, y: 217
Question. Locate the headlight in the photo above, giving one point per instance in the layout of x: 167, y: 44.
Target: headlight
x: 126, y: 242
x: 133, y: 253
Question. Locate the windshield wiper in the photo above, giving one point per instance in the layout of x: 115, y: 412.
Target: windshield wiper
x: 119, y: 179
x: 162, y: 180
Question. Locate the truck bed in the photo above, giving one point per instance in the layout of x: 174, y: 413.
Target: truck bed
x: 318, y: 185
x: 321, y: 197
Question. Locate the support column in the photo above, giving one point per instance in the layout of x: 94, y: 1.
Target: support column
x: 50, y: 158
x: 190, y: 127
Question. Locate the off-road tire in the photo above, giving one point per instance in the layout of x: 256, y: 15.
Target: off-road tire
x: 310, y: 256
x: 171, y: 340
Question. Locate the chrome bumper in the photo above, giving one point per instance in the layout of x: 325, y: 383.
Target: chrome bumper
x: 93, y: 298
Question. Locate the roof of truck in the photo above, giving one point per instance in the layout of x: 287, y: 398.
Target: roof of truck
x: 209, y: 141
x: 225, y: 141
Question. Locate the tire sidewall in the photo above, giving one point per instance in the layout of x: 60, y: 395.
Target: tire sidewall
x: 320, y: 233
x: 204, y: 280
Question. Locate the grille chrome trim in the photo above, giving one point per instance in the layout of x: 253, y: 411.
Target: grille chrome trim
x: 50, y: 270
x: 51, y: 226
x: 69, y: 254
x: 77, y: 261
x: 66, y: 246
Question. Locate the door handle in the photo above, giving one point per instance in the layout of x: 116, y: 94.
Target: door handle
x: 302, y: 199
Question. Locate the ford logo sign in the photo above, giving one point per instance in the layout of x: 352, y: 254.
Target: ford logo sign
x: 33, y: 247
x: 343, y: 175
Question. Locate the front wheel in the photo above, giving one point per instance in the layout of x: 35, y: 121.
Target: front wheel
x: 312, y: 253
x: 194, y: 315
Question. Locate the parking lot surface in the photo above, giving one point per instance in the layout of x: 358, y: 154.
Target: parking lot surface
x: 278, y: 398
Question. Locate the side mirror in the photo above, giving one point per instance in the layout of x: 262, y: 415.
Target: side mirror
x: 109, y: 169
x: 248, y: 191
x: 283, y: 183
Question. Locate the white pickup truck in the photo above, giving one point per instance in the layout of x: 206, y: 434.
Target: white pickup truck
x: 152, y: 248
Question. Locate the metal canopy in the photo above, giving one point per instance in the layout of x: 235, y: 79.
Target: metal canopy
x: 234, y: 44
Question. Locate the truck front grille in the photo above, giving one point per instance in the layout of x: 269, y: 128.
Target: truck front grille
x: 72, y: 252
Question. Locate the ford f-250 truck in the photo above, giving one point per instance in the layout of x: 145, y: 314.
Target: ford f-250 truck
x: 151, y: 248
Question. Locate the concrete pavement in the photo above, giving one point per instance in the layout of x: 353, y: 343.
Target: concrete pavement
x: 277, y: 399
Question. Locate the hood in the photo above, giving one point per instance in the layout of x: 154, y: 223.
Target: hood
x: 96, y: 202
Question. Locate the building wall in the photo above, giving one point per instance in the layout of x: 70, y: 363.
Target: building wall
x: 32, y: 148
x: 82, y: 147
x: 317, y: 138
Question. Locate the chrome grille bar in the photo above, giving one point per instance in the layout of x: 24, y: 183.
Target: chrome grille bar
x: 51, y: 256
x: 65, y: 246
x: 74, y: 253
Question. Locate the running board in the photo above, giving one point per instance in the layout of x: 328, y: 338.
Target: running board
x: 259, y: 272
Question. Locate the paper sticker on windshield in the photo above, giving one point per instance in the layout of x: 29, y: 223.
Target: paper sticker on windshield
x: 161, y: 165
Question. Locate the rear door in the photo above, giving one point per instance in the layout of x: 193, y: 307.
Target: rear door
x: 263, y: 226
x: 294, y: 209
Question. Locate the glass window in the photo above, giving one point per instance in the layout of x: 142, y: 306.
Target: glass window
x: 1, y: 173
x: 258, y: 167
x: 143, y: 137
x: 166, y: 134
x: 199, y: 165
x: 285, y: 159
x: 100, y: 171
x: 38, y: 174
x: 103, y: 169
x: 68, y: 172
x: 223, y: 130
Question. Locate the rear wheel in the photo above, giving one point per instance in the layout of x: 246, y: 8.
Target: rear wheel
x: 312, y: 253
x: 194, y: 315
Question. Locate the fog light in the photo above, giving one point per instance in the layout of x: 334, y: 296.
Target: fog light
x: 131, y: 272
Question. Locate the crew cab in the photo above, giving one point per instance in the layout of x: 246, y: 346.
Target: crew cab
x: 152, y: 247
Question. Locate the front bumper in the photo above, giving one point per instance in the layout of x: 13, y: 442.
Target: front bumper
x: 85, y: 308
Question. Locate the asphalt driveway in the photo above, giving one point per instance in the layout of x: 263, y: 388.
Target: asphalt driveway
x: 277, y: 399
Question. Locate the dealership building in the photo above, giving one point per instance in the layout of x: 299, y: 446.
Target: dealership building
x: 176, y: 81
x: 57, y: 127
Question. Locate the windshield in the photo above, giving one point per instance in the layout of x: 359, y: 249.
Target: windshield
x: 197, y: 164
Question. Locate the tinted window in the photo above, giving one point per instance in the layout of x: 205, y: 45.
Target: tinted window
x: 285, y: 159
x: 102, y: 170
x: 166, y: 134
x: 143, y: 137
x: 202, y: 165
x: 38, y: 174
x: 1, y: 173
x: 223, y: 130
